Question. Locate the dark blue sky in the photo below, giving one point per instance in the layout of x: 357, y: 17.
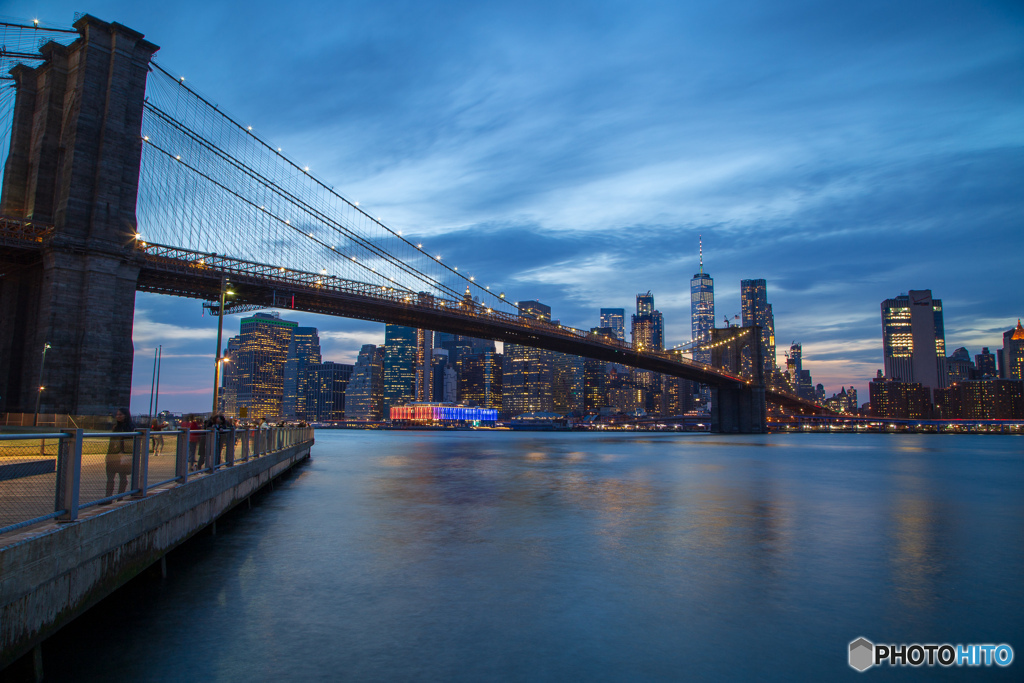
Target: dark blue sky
x: 573, y: 152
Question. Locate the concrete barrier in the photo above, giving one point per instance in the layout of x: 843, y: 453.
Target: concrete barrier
x: 52, y: 572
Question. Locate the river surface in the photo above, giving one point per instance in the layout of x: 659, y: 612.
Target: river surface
x: 475, y: 556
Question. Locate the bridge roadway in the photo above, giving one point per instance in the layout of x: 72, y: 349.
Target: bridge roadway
x: 171, y: 270
x: 182, y: 272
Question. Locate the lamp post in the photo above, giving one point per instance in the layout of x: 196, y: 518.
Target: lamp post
x: 220, y: 332
x: 39, y: 392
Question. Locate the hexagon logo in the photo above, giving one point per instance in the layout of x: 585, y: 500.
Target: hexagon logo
x: 862, y: 654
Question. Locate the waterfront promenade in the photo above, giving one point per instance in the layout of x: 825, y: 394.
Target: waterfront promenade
x: 57, y: 560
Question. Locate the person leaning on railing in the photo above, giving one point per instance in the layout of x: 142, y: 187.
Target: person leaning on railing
x: 119, y: 452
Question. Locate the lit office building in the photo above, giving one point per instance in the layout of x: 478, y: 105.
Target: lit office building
x: 648, y: 326
x: 1012, y: 353
x: 757, y: 311
x: 595, y: 376
x: 615, y: 318
x: 325, y: 386
x: 424, y: 364
x: 990, y: 399
x: 303, y: 350
x: 444, y: 378
x: 913, y: 339
x: 895, y: 399
x: 800, y: 382
x: 258, y: 362
x: 959, y: 367
x: 985, y: 364
x: 400, y: 350
x: 702, y: 318
x: 480, y: 381
x: 364, y: 395
x: 528, y: 372
x: 567, y: 389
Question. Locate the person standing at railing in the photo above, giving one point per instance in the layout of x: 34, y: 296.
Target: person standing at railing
x: 264, y: 432
x: 119, y: 453
x: 220, y: 426
x: 193, y: 440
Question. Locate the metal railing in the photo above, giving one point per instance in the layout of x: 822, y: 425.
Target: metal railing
x: 55, y: 475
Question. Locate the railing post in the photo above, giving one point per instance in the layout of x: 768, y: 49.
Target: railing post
x: 211, y: 445
x: 245, y: 443
x: 69, y: 475
x: 181, y: 456
x: 140, y: 463
x: 230, y: 452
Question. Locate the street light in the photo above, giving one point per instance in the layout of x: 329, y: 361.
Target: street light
x: 220, y: 332
x: 39, y: 394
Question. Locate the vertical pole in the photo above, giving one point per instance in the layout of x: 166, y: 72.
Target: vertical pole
x: 159, y: 362
x: 220, y: 332
x: 152, y: 386
x: 140, y: 463
x: 211, y: 443
x: 69, y: 475
x: 181, y: 456
x: 230, y: 452
x: 39, y: 390
x: 245, y: 443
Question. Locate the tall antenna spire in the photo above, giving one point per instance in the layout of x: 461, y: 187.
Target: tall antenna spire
x: 701, y: 242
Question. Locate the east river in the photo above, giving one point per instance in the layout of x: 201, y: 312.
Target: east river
x: 474, y: 556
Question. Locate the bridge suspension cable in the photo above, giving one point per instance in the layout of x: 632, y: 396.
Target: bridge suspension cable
x: 209, y: 183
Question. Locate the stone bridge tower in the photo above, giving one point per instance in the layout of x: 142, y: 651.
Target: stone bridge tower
x: 738, y: 409
x: 74, y: 162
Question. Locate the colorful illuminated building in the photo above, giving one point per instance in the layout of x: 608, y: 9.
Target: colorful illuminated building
x: 449, y: 414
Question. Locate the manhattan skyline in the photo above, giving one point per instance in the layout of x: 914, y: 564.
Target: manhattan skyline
x: 572, y: 155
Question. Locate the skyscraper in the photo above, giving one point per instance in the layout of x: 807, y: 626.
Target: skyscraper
x: 325, y: 386
x: 757, y: 311
x: 258, y: 364
x: 303, y: 350
x: 364, y: 394
x: 648, y: 326
x: 528, y: 372
x: 1013, y: 353
x: 615, y: 318
x: 567, y: 389
x: 702, y: 309
x: 913, y: 339
x: 985, y: 364
x: 424, y: 365
x: 481, y: 379
x: 400, y: 349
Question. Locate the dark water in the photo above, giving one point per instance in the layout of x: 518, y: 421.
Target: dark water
x: 499, y: 556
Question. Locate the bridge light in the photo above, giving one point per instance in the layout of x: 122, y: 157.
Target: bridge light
x: 456, y: 267
x: 250, y: 127
x: 182, y: 79
x: 310, y: 234
x: 399, y: 232
x: 470, y: 278
x: 36, y: 22
x: 306, y: 169
x: 323, y: 271
x: 438, y: 257
x: 419, y: 246
x: 178, y: 157
x: 287, y: 221
x: 146, y: 138
x: 353, y: 258
x: 282, y: 269
x: 356, y: 203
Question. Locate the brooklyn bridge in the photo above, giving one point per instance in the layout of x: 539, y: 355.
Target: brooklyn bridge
x: 121, y: 177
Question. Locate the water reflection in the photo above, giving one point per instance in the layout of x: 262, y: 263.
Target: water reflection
x: 411, y: 556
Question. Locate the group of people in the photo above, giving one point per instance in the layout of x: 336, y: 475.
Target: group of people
x: 121, y: 450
